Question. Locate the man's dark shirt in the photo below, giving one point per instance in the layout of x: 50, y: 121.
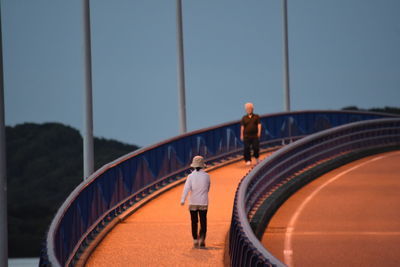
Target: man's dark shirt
x: 250, y: 125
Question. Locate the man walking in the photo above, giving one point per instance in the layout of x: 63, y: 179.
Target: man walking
x: 250, y: 133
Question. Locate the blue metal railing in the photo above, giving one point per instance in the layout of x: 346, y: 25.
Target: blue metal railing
x: 120, y: 184
x: 271, y: 182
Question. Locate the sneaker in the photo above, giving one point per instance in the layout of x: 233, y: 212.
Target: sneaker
x: 202, y: 243
x: 248, y: 163
x: 195, y: 243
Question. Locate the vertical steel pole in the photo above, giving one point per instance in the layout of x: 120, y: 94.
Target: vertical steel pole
x: 3, y: 176
x: 88, y: 101
x: 181, y: 69
x: 285, y: 58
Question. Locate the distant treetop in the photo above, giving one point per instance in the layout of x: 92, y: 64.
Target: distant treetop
x: 390, y: 110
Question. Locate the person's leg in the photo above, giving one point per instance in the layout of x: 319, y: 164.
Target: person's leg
x: 256, y: 148
x: 246, y: 150
x: 194, y: 219
x: 203, y: 227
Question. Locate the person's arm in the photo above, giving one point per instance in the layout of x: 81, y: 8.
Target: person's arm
x: 241, y: 132
x: 186, y: 189
x: 209, y: 183
x: 259, y: 130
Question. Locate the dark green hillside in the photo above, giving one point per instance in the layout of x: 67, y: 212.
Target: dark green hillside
x: 390, y: 110
x: 44, y: 164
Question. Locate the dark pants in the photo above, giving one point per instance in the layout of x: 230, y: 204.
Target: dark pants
x: 251, y: 143
x: 194, y: 215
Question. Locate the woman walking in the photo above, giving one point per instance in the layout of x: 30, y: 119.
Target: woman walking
x: 198, y: 184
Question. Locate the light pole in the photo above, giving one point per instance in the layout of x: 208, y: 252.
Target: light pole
x: 286, y: 84
x: 88, y: 99
x: 3, y: 172
x: 181, y: 68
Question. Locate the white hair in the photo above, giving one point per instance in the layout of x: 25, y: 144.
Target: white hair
x: 248, y: 104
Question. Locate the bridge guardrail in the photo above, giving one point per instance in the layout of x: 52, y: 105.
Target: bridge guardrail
x: 118, y: 185
x: 270, y: 183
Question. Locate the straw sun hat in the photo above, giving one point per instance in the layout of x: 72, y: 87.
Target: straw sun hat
x: 198, y: 162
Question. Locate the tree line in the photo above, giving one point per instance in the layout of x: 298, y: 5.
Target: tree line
x: 44, y: 165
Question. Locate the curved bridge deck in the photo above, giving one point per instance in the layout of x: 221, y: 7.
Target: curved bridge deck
x: 159, y: 233
x: 347, y: 217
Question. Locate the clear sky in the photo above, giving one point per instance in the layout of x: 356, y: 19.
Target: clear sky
x: 342, y: 53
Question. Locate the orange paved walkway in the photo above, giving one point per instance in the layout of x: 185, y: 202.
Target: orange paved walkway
x: 347, y: 217
x: 159, y: 234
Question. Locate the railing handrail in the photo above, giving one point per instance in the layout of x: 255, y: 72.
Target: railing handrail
x: 242, y: 191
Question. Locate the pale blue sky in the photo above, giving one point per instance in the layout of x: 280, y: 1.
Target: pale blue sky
x: 342, y: 53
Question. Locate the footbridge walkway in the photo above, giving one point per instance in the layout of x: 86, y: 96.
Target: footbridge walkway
x: 128, y: 212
